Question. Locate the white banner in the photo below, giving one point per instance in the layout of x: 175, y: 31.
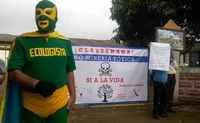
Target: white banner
x: 159, y: 56
x: 110, y: 75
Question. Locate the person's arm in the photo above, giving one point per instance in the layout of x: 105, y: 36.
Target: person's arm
x: 44, y: 88
x: 70, y: 67
x: 16, y: 62
x: 23, y: 79
x: 71, y: 87
x: 176, y: 65
x: 1, y: 78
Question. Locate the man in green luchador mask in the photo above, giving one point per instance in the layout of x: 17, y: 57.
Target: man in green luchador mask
x: 42, y: 63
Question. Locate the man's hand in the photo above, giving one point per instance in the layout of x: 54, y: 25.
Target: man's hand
x: 45, y: 88
x: 71, y: 102
x: 71, y: 87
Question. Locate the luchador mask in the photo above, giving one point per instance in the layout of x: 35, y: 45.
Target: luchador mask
x: 46, y: 16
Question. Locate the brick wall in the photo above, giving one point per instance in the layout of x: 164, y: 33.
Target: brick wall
x: 189, y: 87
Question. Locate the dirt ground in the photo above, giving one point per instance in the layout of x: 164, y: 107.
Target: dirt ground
x: 133, y: 114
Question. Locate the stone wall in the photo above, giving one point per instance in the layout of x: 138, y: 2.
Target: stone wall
x: 189, y: 85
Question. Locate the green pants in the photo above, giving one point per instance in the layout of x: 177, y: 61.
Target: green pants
x: 60, y: 116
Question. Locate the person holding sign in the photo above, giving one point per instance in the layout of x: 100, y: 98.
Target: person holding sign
x: 159, y: 66
x: 42, y: 63
x: 171, y: 83
x: 2, y: 76
x: 2, y: 70
x: 159, y: 103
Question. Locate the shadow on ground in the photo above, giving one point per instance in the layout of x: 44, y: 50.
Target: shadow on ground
x: 134, y: 114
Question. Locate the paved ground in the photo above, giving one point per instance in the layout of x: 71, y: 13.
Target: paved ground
x: 134, y: 114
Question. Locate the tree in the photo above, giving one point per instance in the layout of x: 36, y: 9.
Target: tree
x: 105, y: 92
x: 137, y: 19
x: 188, y: 18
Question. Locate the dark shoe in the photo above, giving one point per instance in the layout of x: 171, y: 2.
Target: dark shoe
x: 171, y: 111
x: 164, y: 115
x: 156, y: 116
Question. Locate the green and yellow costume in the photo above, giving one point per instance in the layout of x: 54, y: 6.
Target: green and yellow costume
x: 47, y: 56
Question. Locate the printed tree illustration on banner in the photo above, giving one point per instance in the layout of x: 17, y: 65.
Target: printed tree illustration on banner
x: 105, y: 92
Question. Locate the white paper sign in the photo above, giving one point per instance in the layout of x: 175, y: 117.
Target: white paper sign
x: 159, y: 56
x: 110, y: 75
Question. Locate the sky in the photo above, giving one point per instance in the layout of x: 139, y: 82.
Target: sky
x: 88, y: 19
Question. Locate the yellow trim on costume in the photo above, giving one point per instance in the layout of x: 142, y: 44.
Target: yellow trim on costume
x: 35, y: 52
x: 49, y: 12
x: 50, y: 35
x: 43, y: 24
x: 44, y: 107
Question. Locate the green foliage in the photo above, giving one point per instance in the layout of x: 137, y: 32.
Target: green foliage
x: 137, y: 19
